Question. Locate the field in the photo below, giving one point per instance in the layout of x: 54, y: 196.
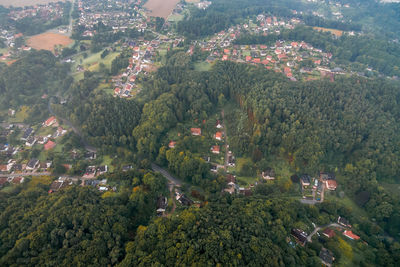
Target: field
x: 21, y: 3
x: 47, y: 41
x: 333, y: 31
x: 160, y: 8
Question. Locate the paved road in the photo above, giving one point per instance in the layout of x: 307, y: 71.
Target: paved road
x: 309, y: 237
x: 166, y: 174
x: 25, y: 174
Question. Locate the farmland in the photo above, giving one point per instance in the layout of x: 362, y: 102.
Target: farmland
x: 47, y: 41
x: 333, y: 31
x: 160, y: 8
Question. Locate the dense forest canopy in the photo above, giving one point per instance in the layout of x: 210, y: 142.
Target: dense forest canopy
x: 27, y: 79
x: 77, y: 225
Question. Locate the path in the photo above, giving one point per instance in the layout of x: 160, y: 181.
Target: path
x: 174, y: 181
x: 309, y: 237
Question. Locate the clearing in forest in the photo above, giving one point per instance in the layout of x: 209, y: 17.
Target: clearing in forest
x: 47, y: 41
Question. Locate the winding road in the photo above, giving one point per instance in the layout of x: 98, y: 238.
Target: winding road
x: 309, y: 237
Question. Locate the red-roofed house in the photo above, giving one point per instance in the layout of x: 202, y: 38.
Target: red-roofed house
x: 329, y: 233
x: 248, y: 58
x: 256, y: 60
x: 49, y: 145
x: 172, y: 144
x: 195, y: 131
x: 225, y: 57
x: 331, y: 184
x: 349, y: 234
x: 227, y: 51
x: 51, y: 121
x: 215, y: 149
x: 218, y: 136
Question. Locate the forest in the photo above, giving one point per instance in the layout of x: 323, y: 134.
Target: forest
x: 30, y: 77
x: 77, y: 226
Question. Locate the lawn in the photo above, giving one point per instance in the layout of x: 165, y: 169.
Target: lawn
x: 21, y: 115
x: 346, y: 201
x: 175, y: 18
x: 46, y: 180
x: 107, y: 161
x: 202, y: 66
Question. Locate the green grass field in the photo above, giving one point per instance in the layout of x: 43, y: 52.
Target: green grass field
x: 202, y: 66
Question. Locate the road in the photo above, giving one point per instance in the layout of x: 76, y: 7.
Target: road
x: 25, y: 174
x: 309, y: 237
x: 226, y: 141
x: 174, y: 181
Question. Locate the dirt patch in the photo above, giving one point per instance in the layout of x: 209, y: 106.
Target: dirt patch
x: 47, y: 41
x: 22, y: 3
x: 333, y: 31
x: 160, y: 8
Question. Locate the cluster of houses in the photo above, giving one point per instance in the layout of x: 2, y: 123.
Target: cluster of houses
x: 11, y: 180
x: 92, y: 172
x: 326, y: 255
x: 283, y: 56
x: 119, y: 15
x: 48, y: 12
x: 325, y: 181
x: 48, y: 141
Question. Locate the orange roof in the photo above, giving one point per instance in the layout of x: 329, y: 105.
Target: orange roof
x: 195, y: 131
x: 248, y: 58
x: 331, y: 184
x: 49, y: 145
x: 50, y: 120
x: 215, y: 149
x: 218, y: 135
x: 256, y: 60
x: 350, y: 235
x: 172, y: 144
x: 225, y: 57
x: 227, y: 51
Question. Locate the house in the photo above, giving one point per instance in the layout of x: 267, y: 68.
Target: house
x: 184, y: 200
x: 324, y: 176
x: 49, y: 145
x: 218, y: 136
x: 102, y: 169
x: 300, y: 236
x: 3, y: 168
x: 90, y: 172
x: 32, y: 164
x: 268, y: 174
x: 195, y: 131
x: 27, y: 133
x: 57, y: 185
x: 305, y: 180
x: 230, y: 178
x: 3, y: 182
x: 331, y: 184
x: 30, y: 141
x: 172, y: 144
x: 344, y: 222
x: 218, y: 125
x: 329, y: 233
x: 162, y: 204
x: 326, y: 257
x: 90, y: 155
x: 51, y: 121
x: 351, y: 235
x: 215, y: 149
